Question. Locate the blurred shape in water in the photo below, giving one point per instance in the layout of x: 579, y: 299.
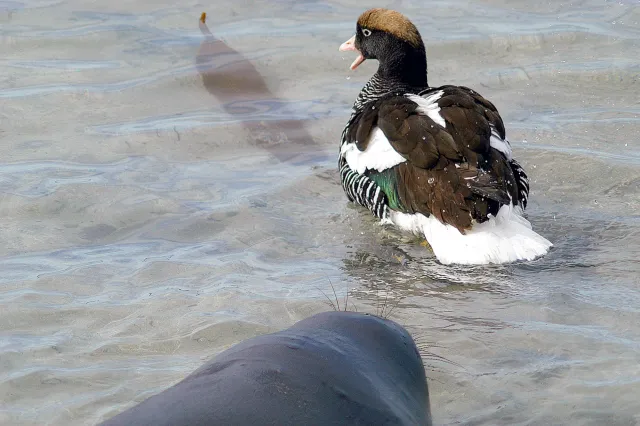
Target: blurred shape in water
x: 237, y: 85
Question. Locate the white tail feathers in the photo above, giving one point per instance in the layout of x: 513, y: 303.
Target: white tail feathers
x: 505, y: 238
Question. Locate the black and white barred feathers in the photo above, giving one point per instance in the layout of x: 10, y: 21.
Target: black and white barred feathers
x: 359, y: 188
x: 523, y: 183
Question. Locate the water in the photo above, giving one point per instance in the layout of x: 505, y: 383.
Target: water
x: 152, y: 217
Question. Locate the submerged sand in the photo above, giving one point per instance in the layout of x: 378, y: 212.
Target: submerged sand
x: 151, y: 219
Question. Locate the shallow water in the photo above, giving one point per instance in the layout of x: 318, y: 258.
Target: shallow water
x: 152, y: 218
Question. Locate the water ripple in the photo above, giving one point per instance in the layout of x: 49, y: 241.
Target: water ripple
x: 220, y: 61
x: 243, y: 174
x: 66, y: 64
x: 232, y: 112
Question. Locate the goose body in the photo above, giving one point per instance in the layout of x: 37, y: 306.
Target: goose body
x: 434, y: 161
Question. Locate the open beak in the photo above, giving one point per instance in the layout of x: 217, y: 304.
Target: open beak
x: 351, y: 45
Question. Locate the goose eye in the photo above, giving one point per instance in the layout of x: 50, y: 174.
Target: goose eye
x: 366, y: 32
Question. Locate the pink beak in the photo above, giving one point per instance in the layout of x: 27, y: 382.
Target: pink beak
x: 351, y: 45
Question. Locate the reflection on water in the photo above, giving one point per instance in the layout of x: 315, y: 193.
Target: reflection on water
x: 236, y: 83
x: 167, y: 191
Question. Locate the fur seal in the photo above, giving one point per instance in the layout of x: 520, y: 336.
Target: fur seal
x: 334, y: 368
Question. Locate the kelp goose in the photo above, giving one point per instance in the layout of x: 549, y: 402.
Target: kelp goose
x: 432, y: 161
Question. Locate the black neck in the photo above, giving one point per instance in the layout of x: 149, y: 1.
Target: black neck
x: 407, y: 67
x: 401, y: 69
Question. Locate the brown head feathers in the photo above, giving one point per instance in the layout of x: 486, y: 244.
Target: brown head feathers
x: 392, y: 22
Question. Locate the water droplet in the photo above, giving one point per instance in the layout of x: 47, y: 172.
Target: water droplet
x: 348, y: 78
x: 424, y: 138
x: 431, y: 180
x: 373, y: 107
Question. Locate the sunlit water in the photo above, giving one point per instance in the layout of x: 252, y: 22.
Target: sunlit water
x: 150, y: 219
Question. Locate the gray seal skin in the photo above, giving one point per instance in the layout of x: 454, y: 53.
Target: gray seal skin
x: 334, y: 368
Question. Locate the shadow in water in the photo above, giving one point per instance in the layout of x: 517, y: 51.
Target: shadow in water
x: 240, y: 88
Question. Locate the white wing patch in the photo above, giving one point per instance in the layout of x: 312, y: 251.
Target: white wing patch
x: 429, y: 106
x: 379, y: 154
x: 500, y: 144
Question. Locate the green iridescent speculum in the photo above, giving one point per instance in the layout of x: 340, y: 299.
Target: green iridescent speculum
x: 386, y: 180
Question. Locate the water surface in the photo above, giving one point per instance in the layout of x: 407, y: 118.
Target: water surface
x: 151, y: 217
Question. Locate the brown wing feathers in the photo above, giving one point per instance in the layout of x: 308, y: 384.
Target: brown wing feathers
x: 416, y: 137
x: 450, y: 172
x: 438, y: 192
x: 490, y: 111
